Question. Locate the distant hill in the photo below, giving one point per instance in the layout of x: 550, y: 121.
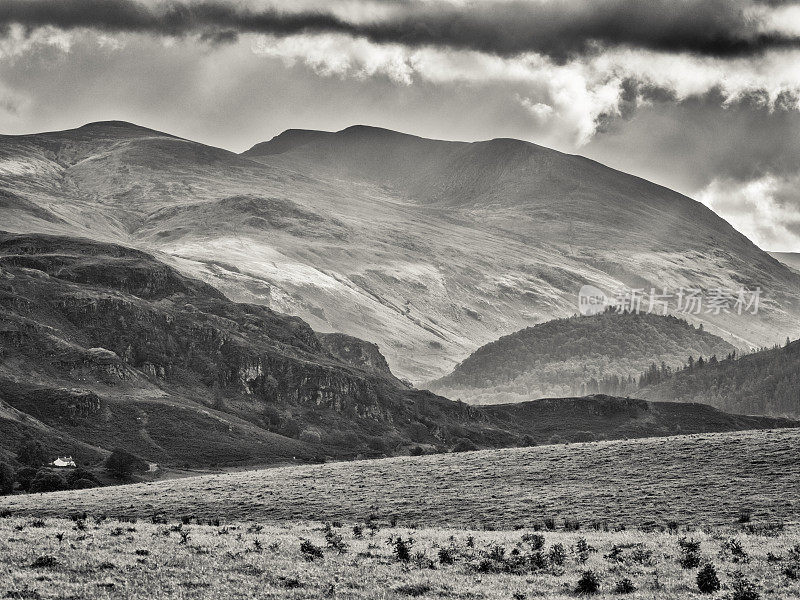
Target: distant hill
x: 427, y: 248
x: 575, y: 356
x: 103, y: 346
x: 762, y: 383
x: 790, y: 259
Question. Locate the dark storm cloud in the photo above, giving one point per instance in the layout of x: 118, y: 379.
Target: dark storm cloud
x: 558, y: 28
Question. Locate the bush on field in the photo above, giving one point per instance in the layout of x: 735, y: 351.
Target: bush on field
x: 707, y: 580
x: 689, y: 553
x: 743, y: 589
x: 309, y: 550
x: 625, y: 586
x: 589, y: 583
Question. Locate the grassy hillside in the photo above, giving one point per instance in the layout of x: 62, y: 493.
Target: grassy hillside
x: 703, y: 479
x: 427, y: 248
x: 575, y: 356
x: 104, y: 346
x: 103, y: 558
x: 765, y: 382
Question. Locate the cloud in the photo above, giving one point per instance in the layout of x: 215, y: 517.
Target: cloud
x: 556, y: 28
x: 766, y: 209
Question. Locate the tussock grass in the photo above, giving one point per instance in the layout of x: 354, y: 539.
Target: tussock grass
x: 153, y: 561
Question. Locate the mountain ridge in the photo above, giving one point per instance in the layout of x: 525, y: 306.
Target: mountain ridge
x: 447, y: 246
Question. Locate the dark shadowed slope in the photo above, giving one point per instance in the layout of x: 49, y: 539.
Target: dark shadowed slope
x: 577, y: 355
x: 427, y: 248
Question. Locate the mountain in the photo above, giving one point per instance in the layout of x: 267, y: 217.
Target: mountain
x: 427, y: 248
x: 103, y: 346
x: 584, y: 354
x: 790, y: 259
x: 763, y: 383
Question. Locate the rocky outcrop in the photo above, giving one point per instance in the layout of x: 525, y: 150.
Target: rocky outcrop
x: 359, y: 353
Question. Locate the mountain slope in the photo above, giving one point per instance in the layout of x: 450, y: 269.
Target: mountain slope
x: 576, y: 355
x: 104, y: 346
x: 790, y: 259
x: 762, y: 383
x: 427, y: 248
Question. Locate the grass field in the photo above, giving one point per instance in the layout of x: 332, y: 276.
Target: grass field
x: 700, y: 480
x: 95, y: 558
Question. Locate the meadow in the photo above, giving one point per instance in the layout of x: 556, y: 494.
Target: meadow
x: 87, y: 558
x: 700, y: 480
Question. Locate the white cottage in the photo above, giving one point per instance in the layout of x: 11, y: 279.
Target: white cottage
x: 64, y: 462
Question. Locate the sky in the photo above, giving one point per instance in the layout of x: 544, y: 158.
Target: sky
x: 702, y: 96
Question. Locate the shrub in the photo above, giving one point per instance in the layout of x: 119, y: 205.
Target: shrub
x: 557, y: 554
x: 625, y: 586
x: 589, y: 583
x: 582, y: 550
x: 447, y: 556
x: 48, y: 481
x: 745, y: 515
x: 6, y: 479
x: 534, y: 540
x: 44, y: 562
x: 689, y: 553
x: 743, y: 589
x: 401, y: 548
x: 122, y: 464
x: 737, y: 551
x: 707, y: 580
x: 416, y: 451
x: 572, y: 524
x: 310, y: 551
x: 335, y: 541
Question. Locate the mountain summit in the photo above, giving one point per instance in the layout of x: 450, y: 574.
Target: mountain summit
x: 428, y: 248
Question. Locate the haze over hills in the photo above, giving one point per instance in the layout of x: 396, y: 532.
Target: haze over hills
x: 427, y: 248
x: 762, y: 383
x: 103, y: 346
x: 578, y: 355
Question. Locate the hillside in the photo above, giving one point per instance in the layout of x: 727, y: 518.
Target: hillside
x: 575, y: 356
x: 762, y: 383
x: 692, y: 480
x: 790, y: 259
x: 103, y: 346
x: 428, y: 249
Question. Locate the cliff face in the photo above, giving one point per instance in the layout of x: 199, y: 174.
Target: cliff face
x: 358, y: 353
